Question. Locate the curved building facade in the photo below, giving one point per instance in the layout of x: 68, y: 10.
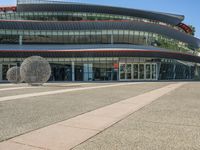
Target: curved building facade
x: 85, y: 42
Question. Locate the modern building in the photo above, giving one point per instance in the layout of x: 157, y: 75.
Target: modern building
x: 87, y: 42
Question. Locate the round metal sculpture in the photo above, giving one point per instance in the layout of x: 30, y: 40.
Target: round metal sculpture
x: 13, y: 75
x: 35, y: 70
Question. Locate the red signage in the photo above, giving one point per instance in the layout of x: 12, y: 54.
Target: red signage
x: 116, y: 66
x: 8, y: 8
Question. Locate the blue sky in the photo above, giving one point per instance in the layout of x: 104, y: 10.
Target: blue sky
x: 189, y: 8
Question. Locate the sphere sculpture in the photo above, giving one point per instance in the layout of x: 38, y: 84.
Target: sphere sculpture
x: 35, y: 70
x: 13, y: 75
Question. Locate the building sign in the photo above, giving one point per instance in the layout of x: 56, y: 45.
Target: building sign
x: 116, y: 66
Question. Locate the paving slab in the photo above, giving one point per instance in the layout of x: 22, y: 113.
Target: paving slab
x: 17, y: 146
x: 55, y: 137
x: 24, y: 115
x: 60, y: 136
x: 89, y: 122
x: 172, y: 122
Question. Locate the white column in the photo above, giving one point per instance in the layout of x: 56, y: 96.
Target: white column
x: 87, y: 69
x: 196, y: 73
x: 73, y: 71
x: 174, y: 71
x: 20, y: 40
x: 85, y: 72
x: 111, y: 39
x: 1, y: 72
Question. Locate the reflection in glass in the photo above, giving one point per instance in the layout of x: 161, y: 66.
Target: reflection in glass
x: 122, y: 71
x: 135, y: 71
x: 128, y: 71
x: 154, y: 70
x: 148, y: 71
x: 141, y: 69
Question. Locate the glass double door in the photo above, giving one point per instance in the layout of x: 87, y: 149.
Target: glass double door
x: 138, y: 71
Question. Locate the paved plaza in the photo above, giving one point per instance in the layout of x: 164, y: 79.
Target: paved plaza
x: 100, y: 116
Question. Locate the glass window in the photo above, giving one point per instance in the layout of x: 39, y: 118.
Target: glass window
x: 122, y: 69
x: 135, y: 71
x: 148, y: 71
x: 128, y: 71
x: 141, y: 71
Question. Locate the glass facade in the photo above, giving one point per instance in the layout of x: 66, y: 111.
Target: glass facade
x: 77, y: 16
x: 93, y: 37
x: 138, y: 71
x: 105, y: 67
x: 110, y: 69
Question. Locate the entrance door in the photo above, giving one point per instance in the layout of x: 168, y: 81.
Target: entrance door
x: 135, y: 71
x: 122, y: 71
x: 154, y: 71
x: 79, y: 72
x: 148, y: 71
x: 141, y: 71
x: 138, y: 71
x: 128, y: 71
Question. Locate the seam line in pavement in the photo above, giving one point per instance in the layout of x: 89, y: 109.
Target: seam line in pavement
x: 79, y: 127
x: 57, y: 137
x: 28, y: 145
x: 20, y: 96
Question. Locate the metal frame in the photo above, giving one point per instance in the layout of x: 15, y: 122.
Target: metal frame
x: 138, y: 71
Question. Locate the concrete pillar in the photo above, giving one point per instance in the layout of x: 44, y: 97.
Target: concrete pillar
x: 1, y: 72
x: 87, y: 69
x: 111, y: 39
x: 20, y: 40
x: 196, y: 72
x: 174, y: 71
x: 73, y: 71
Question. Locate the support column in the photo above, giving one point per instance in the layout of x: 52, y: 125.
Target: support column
x: 111, y: 39
x: 196, y: 72
x: 174, y: 71
x: 73, y: 71
x: 1, y: 72
x: 20, y: 40
x: 87, y: 72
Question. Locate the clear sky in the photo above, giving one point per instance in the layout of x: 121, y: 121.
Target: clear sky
x: 189, y: 8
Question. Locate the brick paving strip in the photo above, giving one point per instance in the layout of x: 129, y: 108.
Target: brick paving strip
x: 70, y: 133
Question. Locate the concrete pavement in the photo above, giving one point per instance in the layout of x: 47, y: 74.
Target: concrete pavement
x: 172, y: 122
x: 68, y: 134
x: 20, y: 116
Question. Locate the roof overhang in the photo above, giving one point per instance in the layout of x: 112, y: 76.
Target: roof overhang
x: 173, y: 19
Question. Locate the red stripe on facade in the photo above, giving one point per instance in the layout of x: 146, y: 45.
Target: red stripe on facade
x: 8, y: 8
x: 185, y: 27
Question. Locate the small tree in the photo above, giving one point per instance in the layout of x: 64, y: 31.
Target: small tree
x: 193, y: 29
